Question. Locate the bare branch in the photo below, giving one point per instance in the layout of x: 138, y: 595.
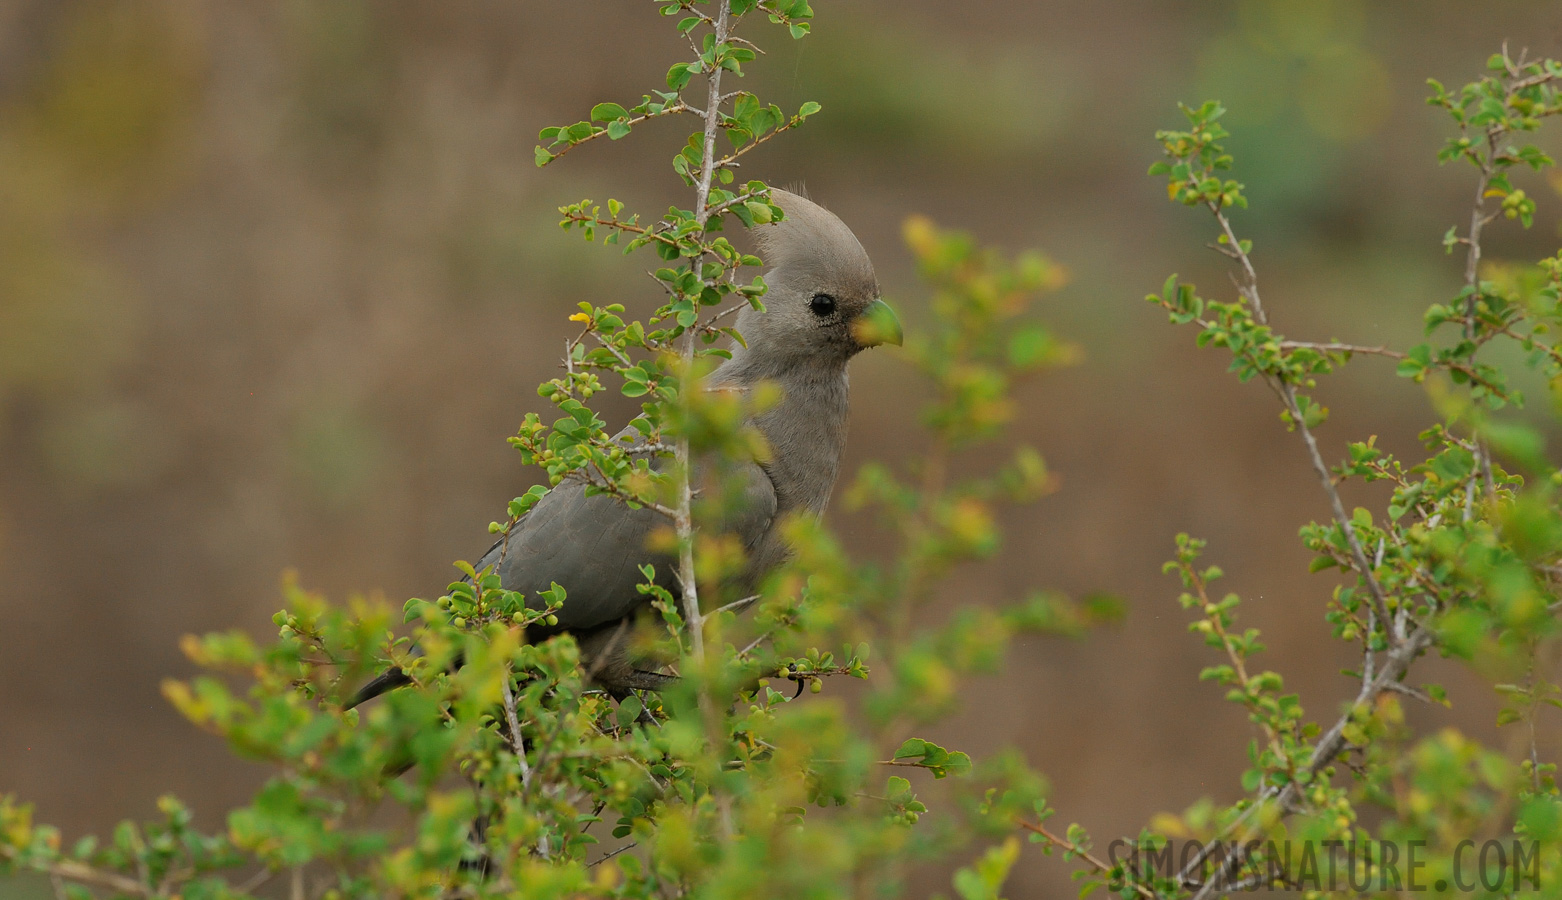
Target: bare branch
x: 1335, y: 347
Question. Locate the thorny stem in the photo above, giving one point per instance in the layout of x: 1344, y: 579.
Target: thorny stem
x: 1249, y: 289
x: 683, y: 521
x: 517, y: 741
x: 1391, y: 669
x: 518, y: 744
x: 1336, y: 347
x: 1472, y: 264
x: 731, y: 159
x: 1486, y: 163
x: 1469, y: 372
x: 709, y: 325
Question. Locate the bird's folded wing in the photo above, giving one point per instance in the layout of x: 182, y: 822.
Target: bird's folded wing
x: 594, y: 546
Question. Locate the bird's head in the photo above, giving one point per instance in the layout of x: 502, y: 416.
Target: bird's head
x: 823, y: 299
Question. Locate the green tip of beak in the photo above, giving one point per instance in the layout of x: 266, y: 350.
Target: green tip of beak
x: 877, y: 325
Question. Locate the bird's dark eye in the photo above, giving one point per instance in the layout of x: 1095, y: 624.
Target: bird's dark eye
x: 822, y: 305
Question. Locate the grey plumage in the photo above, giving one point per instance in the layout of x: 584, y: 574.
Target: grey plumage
x: 822, y: 307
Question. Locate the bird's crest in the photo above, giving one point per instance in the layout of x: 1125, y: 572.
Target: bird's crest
x: 811, y: 236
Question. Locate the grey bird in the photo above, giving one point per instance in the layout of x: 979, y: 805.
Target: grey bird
x: 822, y: 307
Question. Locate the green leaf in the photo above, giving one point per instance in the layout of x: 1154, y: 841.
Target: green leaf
x: 758, y: 212
x: 606, y: 112
x: 629, y: 710
x: 1416, y: 362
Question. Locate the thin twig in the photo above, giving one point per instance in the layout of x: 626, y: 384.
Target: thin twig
x: 734, y: 606
x: 518, y: 744
x: 517, y: 741
x: 1394, y: 664
x: 731, y: 159
x: 1368, y: 658
x: 1100, y: 865
x: 725, y: 205
x: 1336, y: 347
x: 683, y: 521
x: 1185, y: 876
x: 1400, y: 687
x: 709, y: 324
x: 756, y: 642
x: 650, y: 233
x: 678, y: 107
x: 1228, y: 867
x: 1249, y: 289
x: 70, y: 870
x: 605, y: 857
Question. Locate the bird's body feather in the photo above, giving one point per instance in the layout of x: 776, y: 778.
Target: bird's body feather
x: 599, y: 544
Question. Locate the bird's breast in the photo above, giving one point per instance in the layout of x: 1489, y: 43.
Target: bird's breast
x: 806, y: 431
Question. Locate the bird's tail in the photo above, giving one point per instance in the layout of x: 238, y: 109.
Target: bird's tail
x: 388, y: 680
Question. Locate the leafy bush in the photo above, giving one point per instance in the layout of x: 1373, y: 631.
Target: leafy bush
x: 508, y: 775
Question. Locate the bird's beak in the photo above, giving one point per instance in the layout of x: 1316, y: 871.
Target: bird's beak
x: 875, y: 325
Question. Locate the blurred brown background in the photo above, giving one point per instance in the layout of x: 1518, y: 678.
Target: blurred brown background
x: 277, y: 280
